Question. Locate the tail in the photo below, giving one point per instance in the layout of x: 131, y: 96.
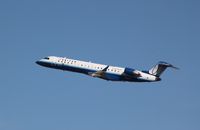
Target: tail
x: 159, y: 68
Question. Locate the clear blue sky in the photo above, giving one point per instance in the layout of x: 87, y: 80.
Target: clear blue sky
x: 116, y: 32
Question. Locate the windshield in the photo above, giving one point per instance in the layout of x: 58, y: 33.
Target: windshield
x: 47, y: 58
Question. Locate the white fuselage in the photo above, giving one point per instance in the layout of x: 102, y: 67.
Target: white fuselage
x: 97, y: 70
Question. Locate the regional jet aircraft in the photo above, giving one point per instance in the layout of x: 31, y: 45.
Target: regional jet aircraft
x: 106, y: 72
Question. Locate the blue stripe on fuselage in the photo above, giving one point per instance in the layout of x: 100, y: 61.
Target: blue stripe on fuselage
x: 108, y: 76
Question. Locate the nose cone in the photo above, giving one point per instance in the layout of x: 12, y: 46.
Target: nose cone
x: 43, y: 63
x: 38, y: 62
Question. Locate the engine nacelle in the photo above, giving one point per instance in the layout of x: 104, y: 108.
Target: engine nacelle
x: 132, y: 72
x: 129, y: 71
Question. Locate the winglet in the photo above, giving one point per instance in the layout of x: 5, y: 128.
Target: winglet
x: 99, y: 73
x: 105, y: 69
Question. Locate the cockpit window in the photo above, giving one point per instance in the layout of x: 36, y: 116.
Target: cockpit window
x: 47, y: 58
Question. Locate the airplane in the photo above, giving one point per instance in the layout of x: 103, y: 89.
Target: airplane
x: 106, y: 72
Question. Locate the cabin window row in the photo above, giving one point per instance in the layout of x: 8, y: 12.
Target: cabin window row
x: 83, y: 65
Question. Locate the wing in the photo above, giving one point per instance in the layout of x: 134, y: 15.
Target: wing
x: 100, y: 73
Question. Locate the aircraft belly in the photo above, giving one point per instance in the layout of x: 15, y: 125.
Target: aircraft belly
x: 112, y: 77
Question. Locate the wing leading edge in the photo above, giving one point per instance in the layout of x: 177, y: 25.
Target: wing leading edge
x: 100, y: 74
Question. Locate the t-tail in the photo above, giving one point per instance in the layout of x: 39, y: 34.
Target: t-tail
x: 159, y: 68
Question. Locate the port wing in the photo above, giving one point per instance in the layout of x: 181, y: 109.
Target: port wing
x: 99, y: 73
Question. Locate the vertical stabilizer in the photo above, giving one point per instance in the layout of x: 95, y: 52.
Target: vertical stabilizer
x: 159, y: 68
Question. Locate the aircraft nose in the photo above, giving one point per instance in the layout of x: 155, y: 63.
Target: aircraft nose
x: 38, y: 62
